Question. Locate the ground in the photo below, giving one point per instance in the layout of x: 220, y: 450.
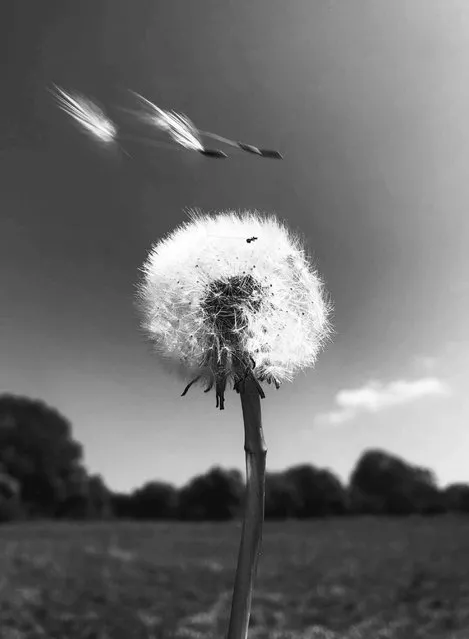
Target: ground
x: 342, y: 578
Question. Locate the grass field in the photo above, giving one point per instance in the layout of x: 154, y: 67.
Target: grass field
x: 350, y: 578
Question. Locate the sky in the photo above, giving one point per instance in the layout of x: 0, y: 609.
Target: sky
x: 368, y: 101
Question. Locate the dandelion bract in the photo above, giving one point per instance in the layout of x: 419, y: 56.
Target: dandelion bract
x: 232, y: 292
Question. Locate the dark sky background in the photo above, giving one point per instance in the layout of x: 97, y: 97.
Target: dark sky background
x: 368, y: 101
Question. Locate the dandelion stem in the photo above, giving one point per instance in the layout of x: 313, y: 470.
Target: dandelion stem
x: 251, y: 536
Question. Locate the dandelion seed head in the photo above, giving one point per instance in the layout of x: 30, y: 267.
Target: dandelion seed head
x: 87, y: 114
x: 215, y: 305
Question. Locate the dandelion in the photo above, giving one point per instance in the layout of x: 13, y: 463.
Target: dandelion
x: 87, y: 114
x: 234, y: 297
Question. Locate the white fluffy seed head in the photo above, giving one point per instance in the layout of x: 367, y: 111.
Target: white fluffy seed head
x: 235, y: 291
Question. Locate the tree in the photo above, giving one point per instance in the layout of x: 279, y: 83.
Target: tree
x: 37, y: 450
x: 215, y: 496
x: 319, y: 492
x: 122, y: 505
x: 383, y: 483
x: 282, y: 500
x: 98, y: 498
x: 456, y: 498
x: 154, y: 500
x: 73, y: 503
x: 10, y: 500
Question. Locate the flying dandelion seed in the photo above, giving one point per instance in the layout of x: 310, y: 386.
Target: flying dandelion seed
x: 184, y: 132
x: 87, y: 114
x: 178, y: 127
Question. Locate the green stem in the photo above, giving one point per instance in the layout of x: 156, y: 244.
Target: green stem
x: 251, y: 536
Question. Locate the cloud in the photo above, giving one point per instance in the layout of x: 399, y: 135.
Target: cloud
x: 376, y: 396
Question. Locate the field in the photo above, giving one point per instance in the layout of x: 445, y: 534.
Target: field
x: 350, y: 578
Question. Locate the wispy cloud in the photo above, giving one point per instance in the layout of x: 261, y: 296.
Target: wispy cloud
x: 376, y: 396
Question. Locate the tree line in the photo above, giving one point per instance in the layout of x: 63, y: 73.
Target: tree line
x: 42, y: 475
